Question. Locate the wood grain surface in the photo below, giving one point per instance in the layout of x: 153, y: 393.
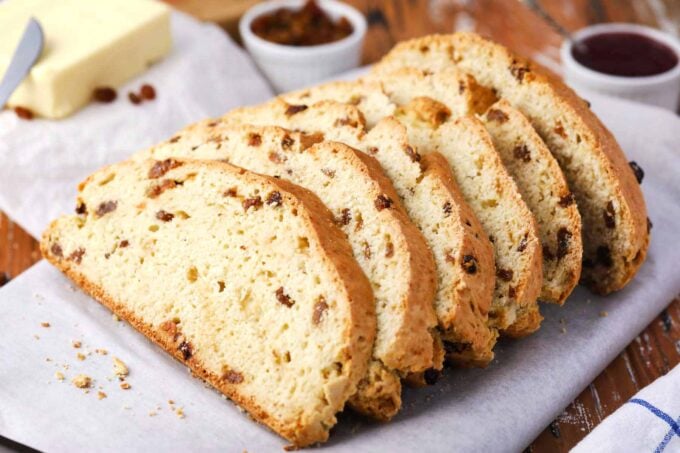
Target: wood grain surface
x: 656, y: 350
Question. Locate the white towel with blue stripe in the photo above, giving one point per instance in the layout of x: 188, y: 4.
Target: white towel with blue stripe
x: 648, y: 422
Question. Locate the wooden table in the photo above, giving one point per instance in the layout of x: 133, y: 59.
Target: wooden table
x: 657, y: 349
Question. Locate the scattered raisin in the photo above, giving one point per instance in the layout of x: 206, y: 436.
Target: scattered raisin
x: 567, y: 200
x: 412, y: 154
x: 345, y: 217
x: 274, y: 198
x: 232, y: 377
x: 367, y: 250
x: 134, y: 98
x: 518, y: 70
x: 175, y: 139
x: 372, y: 150
x: 255, y: 202
x: 504, y: 274
x: 147, y: 92
x: 639, y: 172
x: 547, y: 254
x: 186, y: 350
x: 512, y: 292
x: 77, y: 255
x: 106, y: 207
x: 523, y: 244
x: 276, y: 158
x: 161, y: 167
x: 469, y: 264
x: 563, y: 239
x: 461, y: 87
x: 345, y: 122
x: 383, y: 202
x: 389, y: 250
x: 57, y: 250
x: 284, y: 298
x: 231, y: 192
x: 522, y: 153
x: 287, y: 142
x: 124, y: 243
x: 447, y: 208
x: 609, y: 215
x: 105, y: 94
x: 328, y: 172
x: 604, y: 256
x: 23, y: 113
x: 254, y: 139
x: 431, y: 376
x: 496, y: 115
x: 81, y: 208
x: 293, y: 109
x: 319, y: 309
x: 164, y: 216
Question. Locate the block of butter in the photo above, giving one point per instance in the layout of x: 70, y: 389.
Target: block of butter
x: 88, y: 44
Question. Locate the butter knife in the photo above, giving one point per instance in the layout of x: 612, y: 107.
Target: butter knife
x: 28, y: 51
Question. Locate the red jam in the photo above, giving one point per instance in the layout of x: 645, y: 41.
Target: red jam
x: 625, y: 54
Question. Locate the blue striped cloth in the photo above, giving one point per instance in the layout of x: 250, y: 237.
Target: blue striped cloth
x: 648, y: 422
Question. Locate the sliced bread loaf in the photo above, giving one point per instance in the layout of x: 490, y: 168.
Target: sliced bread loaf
x: 535, y: 171
x: 244, y: 278
x: 615, y: 226
x: 434, y: 203
x: 389, y: 248
x: 545, y: 191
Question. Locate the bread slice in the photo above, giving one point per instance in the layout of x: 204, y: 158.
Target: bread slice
x: 547, y: 194
x: 389, y: 248
x: 615, y: 227
x: 243, y: 278
x: 433, y: 201
x: 535, y: 171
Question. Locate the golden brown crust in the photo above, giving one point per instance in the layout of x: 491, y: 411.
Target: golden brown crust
x: 338, y: 252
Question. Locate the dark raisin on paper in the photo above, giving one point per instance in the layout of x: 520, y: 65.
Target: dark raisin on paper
x: 639, y: 172
x: 104, y: 94
x: 23, y: 113
x: 147, y: 92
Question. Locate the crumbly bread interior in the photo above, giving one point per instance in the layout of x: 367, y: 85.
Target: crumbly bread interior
x: 244, y: 278
x: 613, y: 211
x: 545, y: 191
x: 433, y: 201
x: 387, y: 246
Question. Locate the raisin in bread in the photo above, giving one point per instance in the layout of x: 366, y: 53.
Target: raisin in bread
x: 435, y: 204
x: 545, y: 191
x: 613, y: 211
x: 389, y: 248
x: 515, y: 308
x: 259, y: 293
x: 535, y: 171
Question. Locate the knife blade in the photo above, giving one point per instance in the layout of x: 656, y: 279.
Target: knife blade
x: 29, y: 49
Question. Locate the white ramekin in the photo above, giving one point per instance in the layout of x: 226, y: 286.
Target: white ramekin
x: 662, y: 90
x: 289, y: 67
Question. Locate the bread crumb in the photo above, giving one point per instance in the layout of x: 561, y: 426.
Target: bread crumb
x: 101, y: 351
x: 37, y: 337
x: 119, y: 368
x: 47, y: 359
x: 563, y: 330
x: 45, y: 324
x: 59, y: 375
x: 82, y: 381
x: 125, y: 386
x: 171, y: 402
x: 152, y: 414
x: 127, y: 408
x: 80, y: 356
x: 603, y: 314
x: 38, y: 296
x: 115, y: 317
x: 180, y: 412
x: 101, y: 395
x: 76, y: 344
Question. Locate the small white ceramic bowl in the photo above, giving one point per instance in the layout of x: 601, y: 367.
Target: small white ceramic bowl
x: 290, y: 67
x: 662, y: 90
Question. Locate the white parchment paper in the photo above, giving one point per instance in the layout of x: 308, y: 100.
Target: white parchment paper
x: 501, y: 408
